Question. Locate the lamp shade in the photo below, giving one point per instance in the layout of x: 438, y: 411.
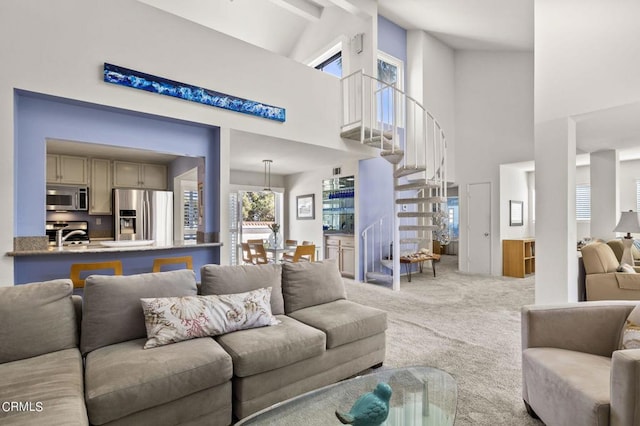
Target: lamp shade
x: 628, y: 223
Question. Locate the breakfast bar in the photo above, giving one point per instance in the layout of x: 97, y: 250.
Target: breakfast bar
x: 55, y: 262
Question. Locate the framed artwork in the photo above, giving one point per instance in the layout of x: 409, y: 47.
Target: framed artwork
x: 516, y: 213
x: 305, y: 207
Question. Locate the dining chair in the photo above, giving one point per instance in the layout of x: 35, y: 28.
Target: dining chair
x: 290, y: 243
x: 159, y: 262
x: 303, y: 253
x: 247, y: 257
x: 307, y: 243
x: 256, y: 241
x: 77, y: 268
x: 258, y: 253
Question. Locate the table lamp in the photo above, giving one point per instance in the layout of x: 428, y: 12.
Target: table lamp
x: 628, y: 223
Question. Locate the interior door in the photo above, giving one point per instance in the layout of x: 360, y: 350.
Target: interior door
x: 479, y: 228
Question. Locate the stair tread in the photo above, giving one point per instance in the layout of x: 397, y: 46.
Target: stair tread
x: 355, y: 133
x: 415, y: 214
x: 418, y: 227
x: 379, y: 276
x: 414, y: 200
x: 408, y: 170
x: 417, y: 185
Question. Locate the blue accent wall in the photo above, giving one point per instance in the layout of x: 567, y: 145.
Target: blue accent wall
x: 38, y: 117
x: 392, y: 39
x: 376, y: 175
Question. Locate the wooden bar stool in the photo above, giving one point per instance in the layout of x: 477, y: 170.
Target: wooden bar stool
x: 159, y: 262
x: 76, y: 268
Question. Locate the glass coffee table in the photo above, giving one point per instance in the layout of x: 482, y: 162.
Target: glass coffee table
x: 420, y: 396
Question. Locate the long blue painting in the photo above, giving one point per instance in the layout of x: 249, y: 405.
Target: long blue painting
x: 151, y: 83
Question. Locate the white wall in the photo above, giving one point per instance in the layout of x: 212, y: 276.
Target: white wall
x: 494, y: 126
x: 514, y: 186
x: 68, y: 42
x: 337, y: 25
x: 587, y: 56
x: 431, y: 81
x: 629, y: 174
x: 240, y: 177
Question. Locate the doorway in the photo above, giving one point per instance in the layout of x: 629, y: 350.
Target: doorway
x: 479, y: 228
x: 251, y: 213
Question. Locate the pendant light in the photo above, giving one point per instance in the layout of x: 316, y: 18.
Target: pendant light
x: 267, y: 174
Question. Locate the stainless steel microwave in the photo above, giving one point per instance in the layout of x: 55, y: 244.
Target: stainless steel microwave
x: 69, y: 198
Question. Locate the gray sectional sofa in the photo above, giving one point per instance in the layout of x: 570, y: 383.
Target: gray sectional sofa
x: 321, y: 338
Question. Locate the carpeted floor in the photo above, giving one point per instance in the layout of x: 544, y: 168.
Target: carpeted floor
x: 467, y: 325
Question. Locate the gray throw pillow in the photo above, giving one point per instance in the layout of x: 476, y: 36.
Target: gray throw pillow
x: 307, y: 284
x: 111, y: 309
x: 218, y: 280
x: 36, y: 319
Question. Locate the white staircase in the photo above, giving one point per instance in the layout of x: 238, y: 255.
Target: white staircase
x: 379, y: 115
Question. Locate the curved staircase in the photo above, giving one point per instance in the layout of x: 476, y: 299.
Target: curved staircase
x: 379, y: 115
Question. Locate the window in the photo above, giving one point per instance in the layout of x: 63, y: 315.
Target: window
x: 332, y: 66
x: 390, y: 71
x: 190, y: 205
x: 583, y: 202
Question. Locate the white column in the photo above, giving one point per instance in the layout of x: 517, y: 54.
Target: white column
x: 605, y: 202
x: 225, y: 180
x: 555, y: 251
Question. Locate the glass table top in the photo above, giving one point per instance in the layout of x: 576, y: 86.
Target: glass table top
x: 420, y: 396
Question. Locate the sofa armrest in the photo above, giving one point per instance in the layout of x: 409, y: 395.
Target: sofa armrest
x: 590, y: 327
x: 625, y: 387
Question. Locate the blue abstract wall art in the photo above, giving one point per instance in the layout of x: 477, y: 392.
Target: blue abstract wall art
x: 151, y: 83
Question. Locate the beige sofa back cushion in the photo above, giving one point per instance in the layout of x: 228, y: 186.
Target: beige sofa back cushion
x: 36, y: 319
x: 599, y: 259
x: 112, y: 311
x: 218, y: 280
x: 307, y: 284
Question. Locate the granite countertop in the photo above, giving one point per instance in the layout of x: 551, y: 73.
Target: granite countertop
x: 98, y: 248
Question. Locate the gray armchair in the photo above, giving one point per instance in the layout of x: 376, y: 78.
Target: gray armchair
x: 572, y: 372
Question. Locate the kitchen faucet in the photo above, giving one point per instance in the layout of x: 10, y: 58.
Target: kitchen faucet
x: 60, y: 239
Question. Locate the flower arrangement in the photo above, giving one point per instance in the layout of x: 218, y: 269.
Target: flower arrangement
x: 275, y: 227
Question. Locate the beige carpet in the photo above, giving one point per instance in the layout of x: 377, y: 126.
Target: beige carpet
x: 467, y: 325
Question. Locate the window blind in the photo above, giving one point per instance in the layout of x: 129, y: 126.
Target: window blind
x: 190, y: 203
x: 583, y: 202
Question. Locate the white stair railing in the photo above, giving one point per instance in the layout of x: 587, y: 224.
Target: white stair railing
x: 380, y: 115
x: 376, y: 240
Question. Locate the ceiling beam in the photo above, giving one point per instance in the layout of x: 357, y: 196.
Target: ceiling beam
x: 355, y: 7
x: 309, y: 11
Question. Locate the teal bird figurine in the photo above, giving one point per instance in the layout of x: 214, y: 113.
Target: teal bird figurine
x: 371, y: 409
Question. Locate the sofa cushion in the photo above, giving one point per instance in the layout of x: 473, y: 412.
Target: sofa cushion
x: 174, y: 319
x: 218, y: 279
x: 51, y: 385
x: 599, y: 258
x: 111, y: 304
x: 264, y: 349
x: 343, y: 321
x: 122, y: 379
x: 307, y: 284
x: 628, y: 281
x: 36, y: 318
x: 566, y: 387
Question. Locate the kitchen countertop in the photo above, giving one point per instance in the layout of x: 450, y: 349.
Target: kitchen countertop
x: 98, y: 248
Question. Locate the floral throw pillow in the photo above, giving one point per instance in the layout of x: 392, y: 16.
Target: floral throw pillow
x: 631, y: 332
x: 174, y: 319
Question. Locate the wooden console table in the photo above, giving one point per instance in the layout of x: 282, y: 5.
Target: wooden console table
x: 419, y: 259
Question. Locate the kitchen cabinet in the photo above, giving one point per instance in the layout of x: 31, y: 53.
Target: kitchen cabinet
x: 342, y: 248
x: 100, y: 186
x: 66, y: 169
x: 139, y: 175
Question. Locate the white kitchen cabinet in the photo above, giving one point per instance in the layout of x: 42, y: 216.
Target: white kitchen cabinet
x: 66, y: 169
x: 139, y: 175
x: 342, y: 247
x: 100, y: 187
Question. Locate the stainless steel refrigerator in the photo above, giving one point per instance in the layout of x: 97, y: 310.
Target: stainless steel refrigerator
x: 143, y: 214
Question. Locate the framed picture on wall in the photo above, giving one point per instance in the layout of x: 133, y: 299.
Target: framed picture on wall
x: 516, y: 213
x: 305, y: 207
